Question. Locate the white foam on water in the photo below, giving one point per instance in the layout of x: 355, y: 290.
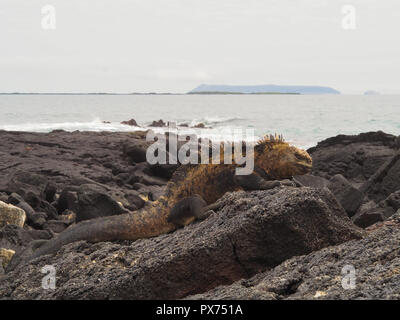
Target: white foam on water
x: 95, y: 125
x: 215, y: 121
x: 223, y: 133
x: 220, y: 134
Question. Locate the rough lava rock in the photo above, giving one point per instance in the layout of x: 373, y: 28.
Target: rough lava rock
x: 348, y: 196
x: 136, y: 153
x: 20, y: 239
x: 43, y: 173
x: 356, y: 157
x: 319, y: 275
x: 65, y: 159
x: 93, y: 202
x: 200, y: 125
x: 16, y: 200
x: 312, y: 181
x: 252, y: 231
x: 371, y: 212
x: 131, y: 122
x: 68, y: 200
x: 159, y: 123
x: 371, y: 164
x: 385, y: 181
x: 25, y: 183
x: 394, y: 200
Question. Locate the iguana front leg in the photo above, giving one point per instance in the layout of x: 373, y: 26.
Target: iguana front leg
x: 189, y: 209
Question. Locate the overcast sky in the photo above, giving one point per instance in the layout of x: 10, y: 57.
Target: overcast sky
x: 175, y: 45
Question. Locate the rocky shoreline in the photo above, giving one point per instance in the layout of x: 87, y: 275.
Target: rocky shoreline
x: 284, y: 243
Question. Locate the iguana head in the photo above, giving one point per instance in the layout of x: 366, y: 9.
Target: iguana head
x: 279, y: 160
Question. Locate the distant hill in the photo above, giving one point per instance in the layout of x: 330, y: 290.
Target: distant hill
x: 262, y: 89
x: 371, y: 93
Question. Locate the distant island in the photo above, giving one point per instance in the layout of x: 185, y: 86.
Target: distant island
x: 261, y: 89
x: 228, y: 92
x: 371, y: 93
x: 208, y: 89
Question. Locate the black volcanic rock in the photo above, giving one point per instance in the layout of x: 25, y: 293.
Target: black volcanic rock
x: 68, y: 200
x: 385, y: 181
x: 200, y: 125
x: 131, y: 122
x: 372, y: 212
x: 357, y: 157
x: 28, y: 185
x: 348, y: 196
x: 371, y: 164
x: 64, y: 161
x: 253, y: 231
x: 394, y: 200
x: 94, y: 203
x: 309, y: 180
x: 17, y: 239
x: 16, y: 200
x: 136, y: 153
x: 50, y: 191
x: 319, y: 275
x: 61, y: 174
x: 159, y: 123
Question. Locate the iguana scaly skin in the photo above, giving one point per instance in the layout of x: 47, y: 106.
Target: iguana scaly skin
x: 189, y: 195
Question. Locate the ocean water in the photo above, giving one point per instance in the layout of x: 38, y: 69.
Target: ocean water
x: 302, y: 119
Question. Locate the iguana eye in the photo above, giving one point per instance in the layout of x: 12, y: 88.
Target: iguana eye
x: 298, y: 156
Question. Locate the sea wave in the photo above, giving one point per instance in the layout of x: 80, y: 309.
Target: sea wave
x: 212, y: 121
x: 94, y: 125
x: 223, y: 132
x: 99, y: 125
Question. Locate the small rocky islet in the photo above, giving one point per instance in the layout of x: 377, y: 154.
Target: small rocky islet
x: 285, y: 243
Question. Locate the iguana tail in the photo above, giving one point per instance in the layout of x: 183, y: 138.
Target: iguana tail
x: 145, y: 223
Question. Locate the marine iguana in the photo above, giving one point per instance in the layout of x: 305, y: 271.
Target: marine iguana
x: 191, y: 195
